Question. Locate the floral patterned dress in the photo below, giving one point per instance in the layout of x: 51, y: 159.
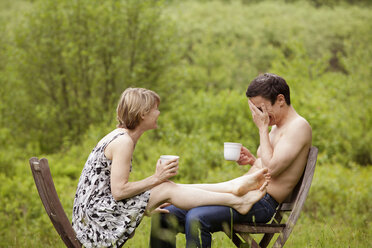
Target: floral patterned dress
x: 98, y: 219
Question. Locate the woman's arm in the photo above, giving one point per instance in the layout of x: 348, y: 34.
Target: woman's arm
x: 120, y: 152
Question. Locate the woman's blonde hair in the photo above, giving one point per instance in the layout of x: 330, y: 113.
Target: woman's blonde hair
x: 133, y: 103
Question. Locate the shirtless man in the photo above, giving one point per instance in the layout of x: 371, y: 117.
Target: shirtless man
x: 283, y: 150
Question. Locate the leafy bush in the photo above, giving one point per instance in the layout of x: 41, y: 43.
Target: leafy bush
x: 333, y: 3
x: 76, y: 58
x: 320, y: 55
x: 73, y: 61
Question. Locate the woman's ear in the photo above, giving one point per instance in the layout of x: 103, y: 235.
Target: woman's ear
x: 143, y: 115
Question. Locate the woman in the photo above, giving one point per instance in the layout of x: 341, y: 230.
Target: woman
x: 108, y: 207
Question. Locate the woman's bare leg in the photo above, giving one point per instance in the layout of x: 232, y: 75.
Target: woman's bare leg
x: 238, y: 186
x: 189, y: 197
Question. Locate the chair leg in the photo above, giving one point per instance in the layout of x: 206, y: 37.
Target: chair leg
x: 234, y: 237
x: 251, y: 242
x: 236, y: 240
x: 265, y: 241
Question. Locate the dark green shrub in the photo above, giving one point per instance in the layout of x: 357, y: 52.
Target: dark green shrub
x: 75, y: 58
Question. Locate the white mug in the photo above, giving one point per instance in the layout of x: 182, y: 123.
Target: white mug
x: 164, y: 158
x: 232, y: 151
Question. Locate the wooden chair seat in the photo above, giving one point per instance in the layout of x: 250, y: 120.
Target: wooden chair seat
x: 292, y: 206
x: 259, y: 228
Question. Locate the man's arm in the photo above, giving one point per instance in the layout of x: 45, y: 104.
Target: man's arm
x: 246, y: 157
x: 287, y: 148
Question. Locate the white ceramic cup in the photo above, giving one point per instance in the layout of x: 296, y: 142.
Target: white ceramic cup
x: 164, y: 158
x: 232, y: 151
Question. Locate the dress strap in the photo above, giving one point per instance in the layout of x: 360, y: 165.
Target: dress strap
x: 112, y: 139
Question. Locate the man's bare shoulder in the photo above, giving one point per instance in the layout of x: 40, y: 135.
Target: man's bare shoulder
x: 301, y: 127
x: 302, y: 123
x: 298, y: 124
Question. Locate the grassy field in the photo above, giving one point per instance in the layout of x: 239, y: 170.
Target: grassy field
x: 336, y: 213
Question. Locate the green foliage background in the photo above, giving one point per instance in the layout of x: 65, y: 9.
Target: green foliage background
x: 63, y: 65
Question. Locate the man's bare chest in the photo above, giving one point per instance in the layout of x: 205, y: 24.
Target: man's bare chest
x: 275, y: 136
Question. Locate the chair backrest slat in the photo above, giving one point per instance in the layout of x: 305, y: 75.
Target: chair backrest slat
x: 49, y: 197
x: 299, y: 197
x: 293, y: 203
x: 289, y: 203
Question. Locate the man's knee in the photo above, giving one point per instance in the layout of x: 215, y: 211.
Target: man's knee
x: 197, y: 218
x: 174, y: 220
x: 210, y: 218
x: 159, y: 221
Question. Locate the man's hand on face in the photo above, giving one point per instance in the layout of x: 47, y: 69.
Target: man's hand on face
x: 246, y: 157
x: 259, y: 115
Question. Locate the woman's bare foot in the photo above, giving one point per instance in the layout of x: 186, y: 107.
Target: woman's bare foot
x: 247, y: 200
x: 243, y: 184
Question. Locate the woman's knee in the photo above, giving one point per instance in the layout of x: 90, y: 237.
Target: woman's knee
x: 164, y: 187
x: 167, y: 185
x: 163, y: 192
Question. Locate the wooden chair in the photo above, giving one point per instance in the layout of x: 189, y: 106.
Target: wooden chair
x: 49, y: 197
x: 293, y: 205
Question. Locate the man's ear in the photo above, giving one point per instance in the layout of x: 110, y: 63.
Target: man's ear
x: 281, y: 100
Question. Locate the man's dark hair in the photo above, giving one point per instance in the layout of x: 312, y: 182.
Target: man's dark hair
x: 269, y: 86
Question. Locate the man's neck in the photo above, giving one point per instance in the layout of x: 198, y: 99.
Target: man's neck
x: 287, y: 116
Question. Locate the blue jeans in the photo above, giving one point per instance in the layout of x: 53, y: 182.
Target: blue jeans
x: 198, y: 223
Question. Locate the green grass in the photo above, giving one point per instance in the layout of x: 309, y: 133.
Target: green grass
x: 336, y: 213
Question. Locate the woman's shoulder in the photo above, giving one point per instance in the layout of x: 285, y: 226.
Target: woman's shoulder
x: 122, y: 138
x: 109, y: 138
x: 120, y: 141
x: 117, y: 142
